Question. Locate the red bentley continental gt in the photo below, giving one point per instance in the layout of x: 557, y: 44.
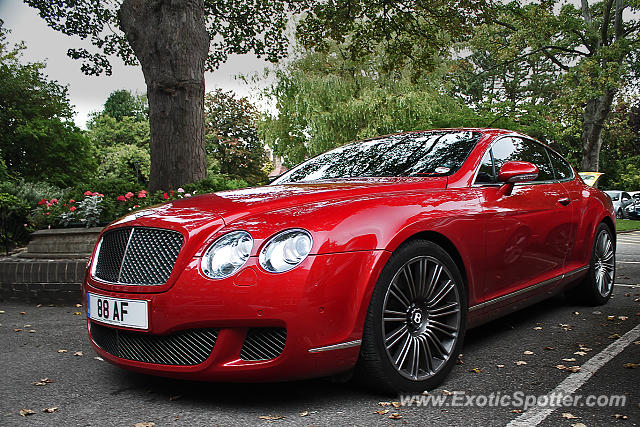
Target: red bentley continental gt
x: 376, y: 256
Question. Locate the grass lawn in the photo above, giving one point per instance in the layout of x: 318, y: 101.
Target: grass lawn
x: 627, y: 224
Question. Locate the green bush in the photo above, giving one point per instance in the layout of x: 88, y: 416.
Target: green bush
x: 13, y: 220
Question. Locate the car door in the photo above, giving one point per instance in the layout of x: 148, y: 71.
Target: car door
x: 527, y: 232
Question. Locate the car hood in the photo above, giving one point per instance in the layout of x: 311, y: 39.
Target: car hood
x: 231, y: 205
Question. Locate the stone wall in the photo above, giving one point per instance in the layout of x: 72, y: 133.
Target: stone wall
x: 52, y: 268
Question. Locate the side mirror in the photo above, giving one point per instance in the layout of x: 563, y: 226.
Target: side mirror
x: 512, y: 172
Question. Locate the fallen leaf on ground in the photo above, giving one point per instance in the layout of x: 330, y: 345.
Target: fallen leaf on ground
x: 381, y: 411
x: 537, y: 328
x: 176, y: 397
x: 620, y: 417
x: 580, y: 353
x: 78, y: 305
x: 99, y: 358
x: 516, y: 411
x: 575, y: 313
x: 77, y: 313
x: 570, y: 359
x: 62, y: 351
x: 549, y: 348
x: 636, y: 342
x: 395, y: 416
x: 25, y: 412
x: 574, y: 368
x: 611, y: 317
x: 569, y: 416
x: 23, y: 312
x: 32, y: 331
x: 584, y: 348
x: 561, y: 367
x: 383, y: 404
x: 565, y: 326
x: 43, y: 381
x: 1, y: 311
x: 50, y: 410
x: 271, y: 417
x: 527, y: 352
x: 614, y: 336
x: 396, y: 404
x: 78, y: 353
x: 459, y: 360
x: 447, y: 393
x: 144, y: 424
x: 18, y: 330
x: 476, y: 370
x: 520, y: 362
x: 500, y: 366
x: 622, y: 317
x: 578, y: 425
x: 304, y: 413
x: 631, y: 365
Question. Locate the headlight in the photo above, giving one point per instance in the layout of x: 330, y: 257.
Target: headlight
x: 227, y: 255
x: 285, y: 250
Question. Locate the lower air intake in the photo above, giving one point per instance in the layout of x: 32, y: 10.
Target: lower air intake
x: 185, y: 348
x: 263, y: 343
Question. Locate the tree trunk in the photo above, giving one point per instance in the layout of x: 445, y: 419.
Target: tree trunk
x: 595, y: 113
x: 170, y: 40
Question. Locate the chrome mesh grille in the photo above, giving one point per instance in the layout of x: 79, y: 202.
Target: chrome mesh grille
x: 137, y: 256
x: 263, y: 343
x: 185, y: 348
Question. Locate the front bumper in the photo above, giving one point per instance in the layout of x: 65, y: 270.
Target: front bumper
x: 321, y: 304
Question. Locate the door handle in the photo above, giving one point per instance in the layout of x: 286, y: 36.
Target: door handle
x: 564, y: 201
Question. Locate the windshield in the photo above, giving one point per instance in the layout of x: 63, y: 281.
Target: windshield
x: 615, y: 196
x: 413, y: 154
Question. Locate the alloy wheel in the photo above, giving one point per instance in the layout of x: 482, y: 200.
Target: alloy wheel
x: 604, y: 263
x: 421, y: 318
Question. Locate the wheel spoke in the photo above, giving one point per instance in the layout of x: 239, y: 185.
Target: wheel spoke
x: 433, y: 281
x: 443, y: 292
x: 426, y: 351
x: 443, y: 329
x: 411, y: 284
x: 436, y: 343
x: 415, y: 359
x: 401, y: 297
x: 396, y: 336
x: 402, y: 355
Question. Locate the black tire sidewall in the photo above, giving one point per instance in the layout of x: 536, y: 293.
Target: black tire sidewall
x: 590, y: 285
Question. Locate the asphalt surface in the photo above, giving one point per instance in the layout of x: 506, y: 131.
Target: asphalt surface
x: 89, y: 391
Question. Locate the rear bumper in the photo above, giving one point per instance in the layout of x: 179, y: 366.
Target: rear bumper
x: 321, y: 304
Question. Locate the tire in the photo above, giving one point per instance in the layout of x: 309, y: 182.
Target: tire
x: 414, y: 327
x: 597, y: 287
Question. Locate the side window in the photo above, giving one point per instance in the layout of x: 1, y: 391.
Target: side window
x: 561, y: 168
x: 486, y: 174
x: 508, y: 149
x: 626, y: 196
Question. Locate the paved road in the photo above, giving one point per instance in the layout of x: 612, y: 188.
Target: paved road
x: 89, y: 391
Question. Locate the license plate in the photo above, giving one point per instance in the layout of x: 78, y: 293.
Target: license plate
x: 130, y: 313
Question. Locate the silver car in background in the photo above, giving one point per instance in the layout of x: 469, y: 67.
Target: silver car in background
x: 621, y: 202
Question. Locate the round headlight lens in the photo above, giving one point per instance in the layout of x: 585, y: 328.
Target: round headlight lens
x: 227, y: 255
x: 285, y: 250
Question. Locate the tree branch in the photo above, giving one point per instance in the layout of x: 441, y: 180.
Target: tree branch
x: 606, y: 18
x: 586, y: 14
x: 618, y: 21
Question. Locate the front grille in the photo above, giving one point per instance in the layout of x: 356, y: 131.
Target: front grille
x: 137, y: 256
x: 186, y: 348
x: 263, y: 343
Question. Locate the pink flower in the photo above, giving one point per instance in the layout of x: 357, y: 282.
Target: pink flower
x: 54, y: 201
x: 165, y: 196
x: 180, y: 190
x: 72, y: 208
x: 72, y: 201
x: 88, y: 193
x: 100, y: 195
x: 121, y: 198
x: 136, y: 206
x: 142, y: 194
x: 129, y: 195
x: 47, y: 213
x: 187, y: 195
x: 43, y: 201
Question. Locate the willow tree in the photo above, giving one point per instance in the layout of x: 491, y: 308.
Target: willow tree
x: 174, y: 41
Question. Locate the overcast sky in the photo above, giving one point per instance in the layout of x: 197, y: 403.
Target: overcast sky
x: 88, y: 93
